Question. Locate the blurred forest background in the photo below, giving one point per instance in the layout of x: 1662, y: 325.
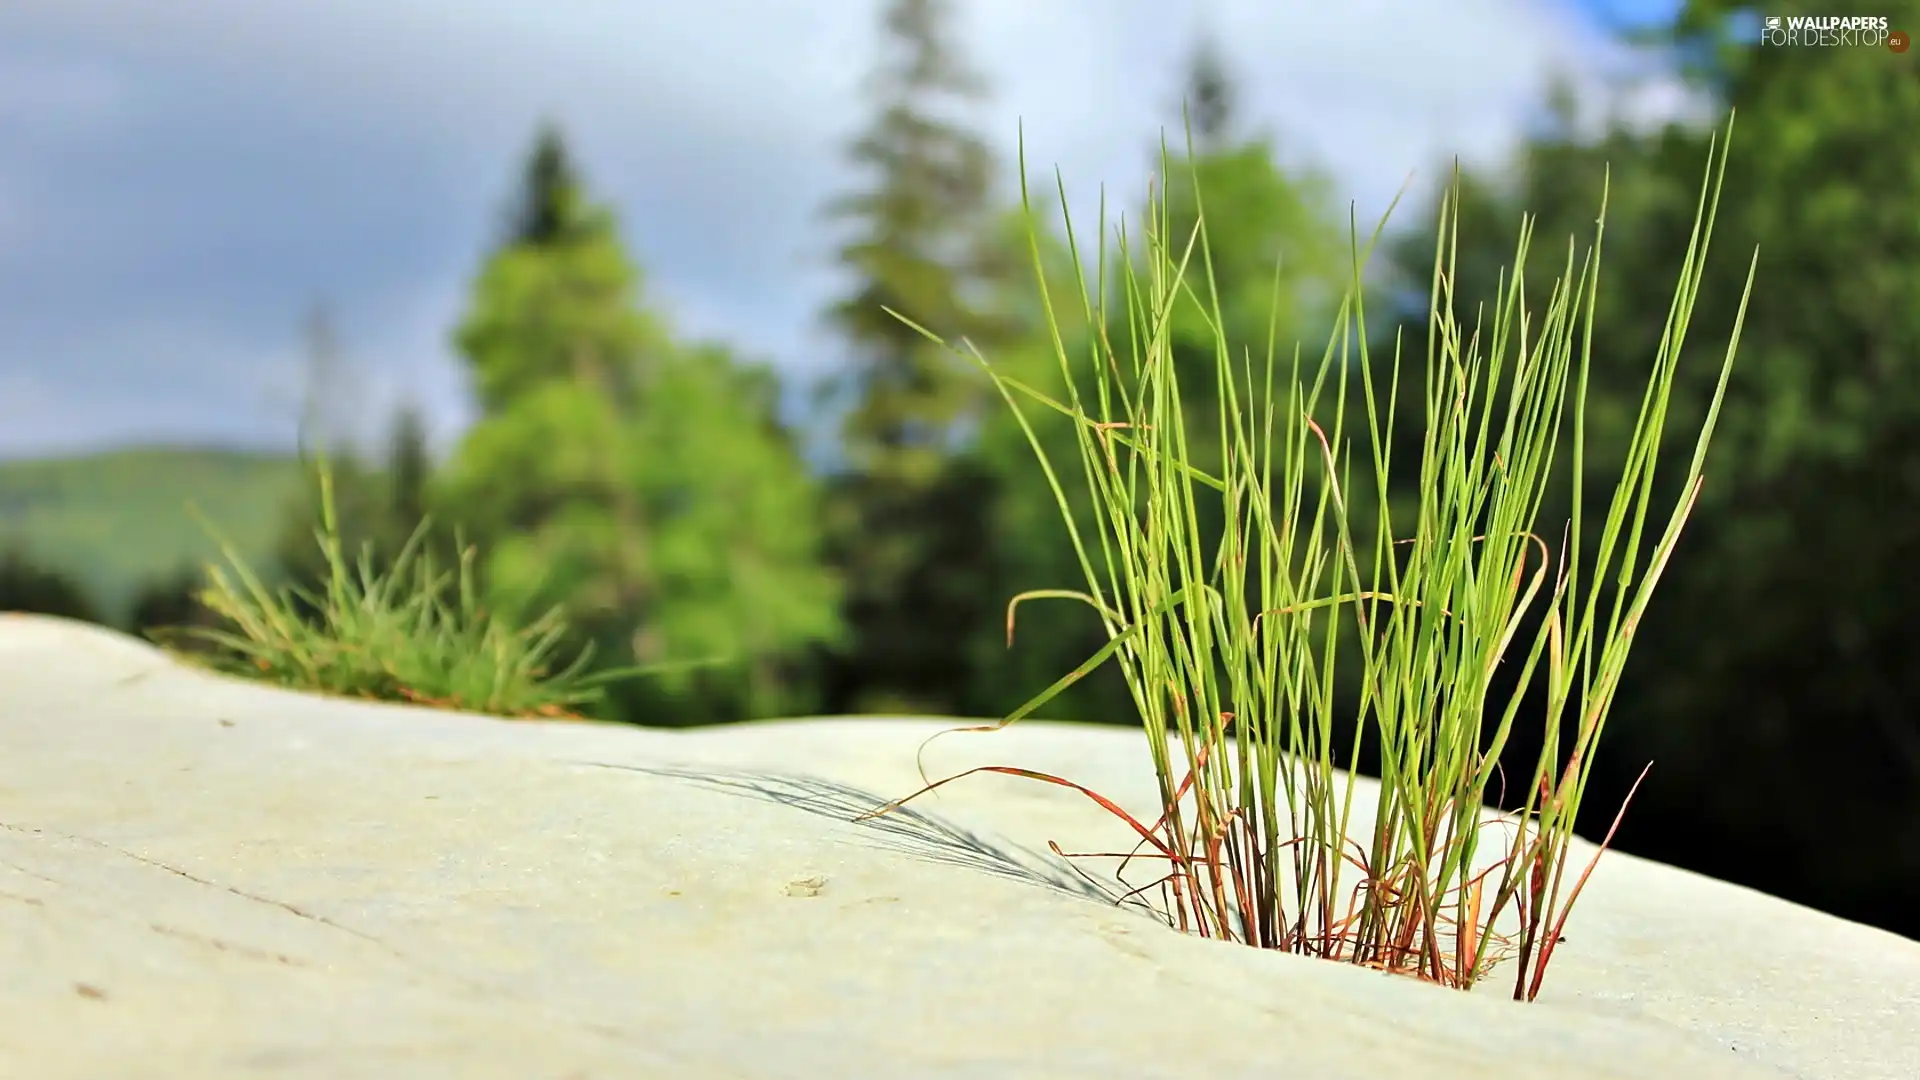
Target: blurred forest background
x: 650, y: 486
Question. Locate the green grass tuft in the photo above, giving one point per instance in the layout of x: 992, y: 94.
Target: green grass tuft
x: 414, y: 634
x: 1231, y: 646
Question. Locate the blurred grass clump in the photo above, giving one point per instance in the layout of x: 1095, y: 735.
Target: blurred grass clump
x: 412, y: 633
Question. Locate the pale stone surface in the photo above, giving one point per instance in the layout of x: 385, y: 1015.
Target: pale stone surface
x: 201, y: 878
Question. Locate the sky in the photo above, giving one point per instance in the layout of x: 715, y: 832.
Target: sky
x: 181, y: 183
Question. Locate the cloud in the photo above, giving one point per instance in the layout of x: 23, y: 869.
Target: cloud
x: 192, y: 176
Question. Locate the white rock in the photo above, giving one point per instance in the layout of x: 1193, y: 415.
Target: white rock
x: 202, y: 878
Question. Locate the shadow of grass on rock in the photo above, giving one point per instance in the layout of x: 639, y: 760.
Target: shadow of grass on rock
x: 907, y: 830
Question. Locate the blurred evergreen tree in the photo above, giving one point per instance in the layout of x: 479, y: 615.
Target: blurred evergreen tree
x: 634, y: 481
x: 907, y: 520
x: 1212, y: 102
x: 539, y: 213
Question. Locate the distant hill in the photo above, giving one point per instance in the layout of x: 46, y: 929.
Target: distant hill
x: 118, y: 519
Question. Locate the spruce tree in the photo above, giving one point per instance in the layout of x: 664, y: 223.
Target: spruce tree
x: 538, y: 214
x: 626, y: 477
x: 556, y: 350
x: 1212, y: 100
x: 908, y: 522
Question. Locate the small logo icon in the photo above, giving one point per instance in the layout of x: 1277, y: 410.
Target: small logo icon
x: 1773, y: 22
x: 1898, y: 41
